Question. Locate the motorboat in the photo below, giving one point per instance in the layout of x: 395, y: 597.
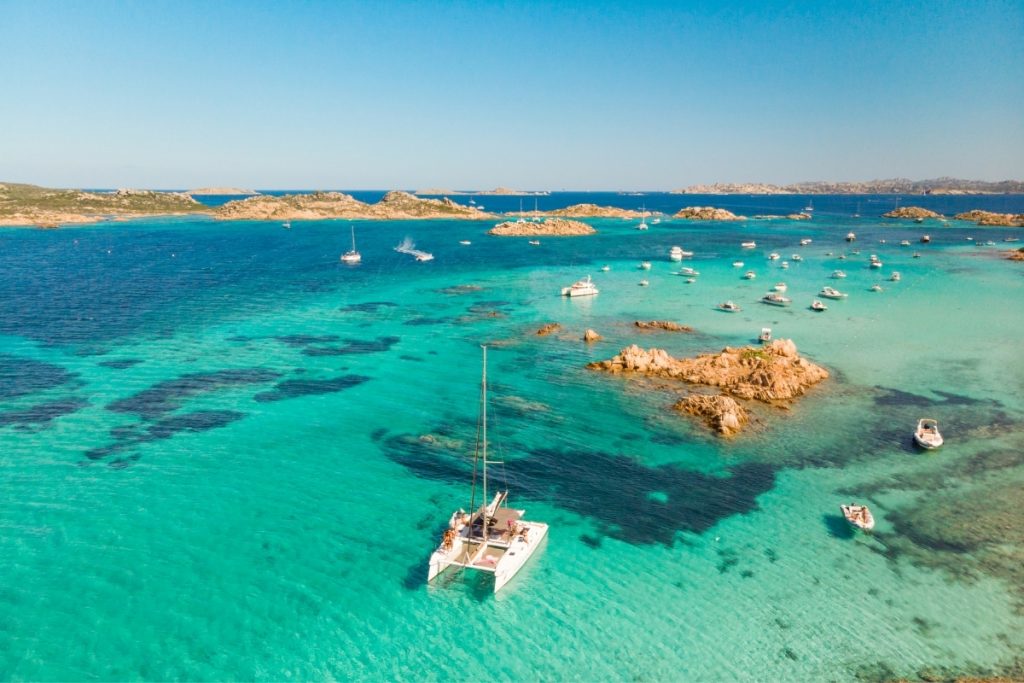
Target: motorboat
x: 645, y: 265
x: 774, y: 256
x: 582, y: 287
x: 688, y: 272
x: 875, y: 264
x: 352, y: 256
x: 917, y: 255
x: 407, y: 246
x: 676, y: 253
x: 784, y: 265
x: 842, y: 257
x: 805, y: 241
x: 749, y: 275
x: 749, y: 245
x: 465, y: 243
x: 927, y: 434
x: 605, y: 268
x: 859, y: 516
x: 905, y: 243
x: 424, y: 256
x: 850, y: 236
x: 876, y: 287
x: 919, y: 220
x: 818, y: 306
x: 856, y: 251
x: 690, y: 280
x: 287, y: 225
x: 830, y: 293
x: 1011, y: 239
x: 895, y: 277
x: 765, y: 336
x: 780, y: 287
x: 838, y: 275
x: 796, y: 257
x: 494, y: 539
x: 644, y: 283
x: 534, y: 243
x: 925, y: 239
x: 737, y: 264
x: 728, y: 306
x: 775, y: 299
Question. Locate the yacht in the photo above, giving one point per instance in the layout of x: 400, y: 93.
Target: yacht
x: 875, y: 264
x: 749, y: 275
x: 688, y: 272
x: 676, y: 253
x: 784, y: 265
x: 580, y: 288
x: 495, y: 538
x: 927, y: 434
x: 605, y: 268
x: 895, y: 277
x: 796, y: 257
x: 780, y: 287
x: 644, y: 283
x: 876, y: 287
x: 645, y: 265
x: 925, y: 239
x: 749, y: 245
x: 728, y: 306
x: 774, y: 256
x: 838, y: 275
x: 818, y: 306
x: 765, y: 336
x: 643, y: 221
x: 805, y: 241
x: 859, y: 516
x: 830, y: 293
x: 905, y: 243
x: 1011, y: 239
x: 850, y: 236
x: 352, y: 256
x: 775, y: 299
x: 737, y: 264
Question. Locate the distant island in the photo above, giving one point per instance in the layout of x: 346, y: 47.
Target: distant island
x: 220, y: 191
x: 394, y: 205
x: 500, y: 191
x: 22, y: 204
x: 892, y: 186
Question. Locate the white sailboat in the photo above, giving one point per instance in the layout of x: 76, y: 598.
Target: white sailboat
x: 495, y: 538
x: 352, y: 256
x: 643, y: 217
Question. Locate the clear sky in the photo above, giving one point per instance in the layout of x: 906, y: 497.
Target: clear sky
x: 536, y: 95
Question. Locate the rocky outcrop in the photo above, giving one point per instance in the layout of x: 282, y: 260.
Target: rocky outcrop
x: 594, y: 211
x: 321, y: 205
x: 1016, y: 255
x: 591, y: 336
x: 911, y: 212
x: 890, y: 186
x: 226, y: 191
x: 722, y: 413
x: 707, y: 213
x: 991, y: 218
x: 550, y: 328
x: 553, y: 227
x: 661, y: 325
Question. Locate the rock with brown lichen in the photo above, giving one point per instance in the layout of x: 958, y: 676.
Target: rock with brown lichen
x: 662, y: 325
x: 911, y: 212
x: 722, y: 413
x: 707, y: 213
x: 591, y: 336
x: 548, y: 329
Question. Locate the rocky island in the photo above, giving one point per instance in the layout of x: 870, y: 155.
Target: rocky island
x: 991, y: 218
x: 551, y: 227
x: 226, y: 191
x: 593, y: 211
x: 707, y: 213
x: 914, y: 212
x: 890, y: 186
x: 1016, y: 255
x: 320, y: 205
x: 774, y: 374
x: 22, y: 204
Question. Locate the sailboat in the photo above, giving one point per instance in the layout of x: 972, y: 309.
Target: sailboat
x: 643, y: 217
x: 352, y: 256
x: 810, y: 206
x: 494, y: 539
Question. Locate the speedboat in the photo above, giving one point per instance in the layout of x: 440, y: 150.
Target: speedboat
x: 784, y: 265
x: 688, y: 272
x: 645, y: 265
x: 927, y: 434
x: 737, y: 264
x: 805, y: 241
x: 796, y: 257
x: 534, y: 243
x: 830, y: 293
x: 780, y: 287
x: 905, y: 243
x: 582, y: 287
x: 838, y: 275
x: 850, y: 236
x: 895, y: 277
x: 765, y: 336
x: 605, y: 268
x: 859, y: 516
x: 818, y: 306
x: 495, y: 538
x: 465, y: 243
x: 774, y: 256
x: 644, y: 283
x: 728, y: 306
x: 749, y: 245
x: 749, y: 275
x: 775, y: 299
x: 876, y: 287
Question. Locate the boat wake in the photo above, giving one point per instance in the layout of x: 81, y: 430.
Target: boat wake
x: 407, y: 246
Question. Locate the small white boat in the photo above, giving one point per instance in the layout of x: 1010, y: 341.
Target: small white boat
x: 905, y: 243
x: 352, y: 256
x: 737, y: 264
x: 818, y: 306
x: 676, y: 253
x: 749, y: 245
x: 780, y: 287
x: 1011, y: 239
x: 859, y: 516
x: 774, y: 256
x: 644, y: 283
x: 645, y: 265
x: 850, y: 236
x: 465, y: 243
x: 842, y: 257
x: 765, y: 336
x: 643, y: 219
x: 424, y: 257
x: 688, y: 272
x: 925, y: 239
x: 810, y: 206
x: 605, y: 268
x: 917, y: 255
x: 784, y: 265
x: 655, y: 221
x: 805, y: 241
x: 927, y: 434
x: 895, y: 277
x: 919, y: 220
x: 690, y: 280
x: 534, y: 243
x: 876, y: 287
x: 749, y: 275
x: 728, y: 306
x: 582, y: 287
x: 287, y: 225
x: 796, y: 257
x: 875, y: 263
x: 830, y: 293
x: 775, y: 299
x: 838, y: 275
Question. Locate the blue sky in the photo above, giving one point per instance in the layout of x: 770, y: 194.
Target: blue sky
x: 539, y: 95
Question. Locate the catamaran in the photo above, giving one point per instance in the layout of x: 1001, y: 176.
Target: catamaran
x: 495, y: 538
x: 352, y: 256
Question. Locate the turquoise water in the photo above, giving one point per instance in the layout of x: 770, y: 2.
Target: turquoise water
x: 213, y: 468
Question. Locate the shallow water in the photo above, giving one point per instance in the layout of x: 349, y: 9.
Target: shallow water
x: 212, y: 463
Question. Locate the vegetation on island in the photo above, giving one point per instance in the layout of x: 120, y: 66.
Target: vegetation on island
x: 22, y: 204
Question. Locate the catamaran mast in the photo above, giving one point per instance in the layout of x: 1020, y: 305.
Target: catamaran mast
x: 353, y: 237
x: 483, y: 398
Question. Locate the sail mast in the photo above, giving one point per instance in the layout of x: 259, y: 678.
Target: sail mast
x: 483, y: 401
x: 353, y: 237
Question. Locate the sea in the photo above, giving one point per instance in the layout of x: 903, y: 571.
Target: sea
x: 227, y: 455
